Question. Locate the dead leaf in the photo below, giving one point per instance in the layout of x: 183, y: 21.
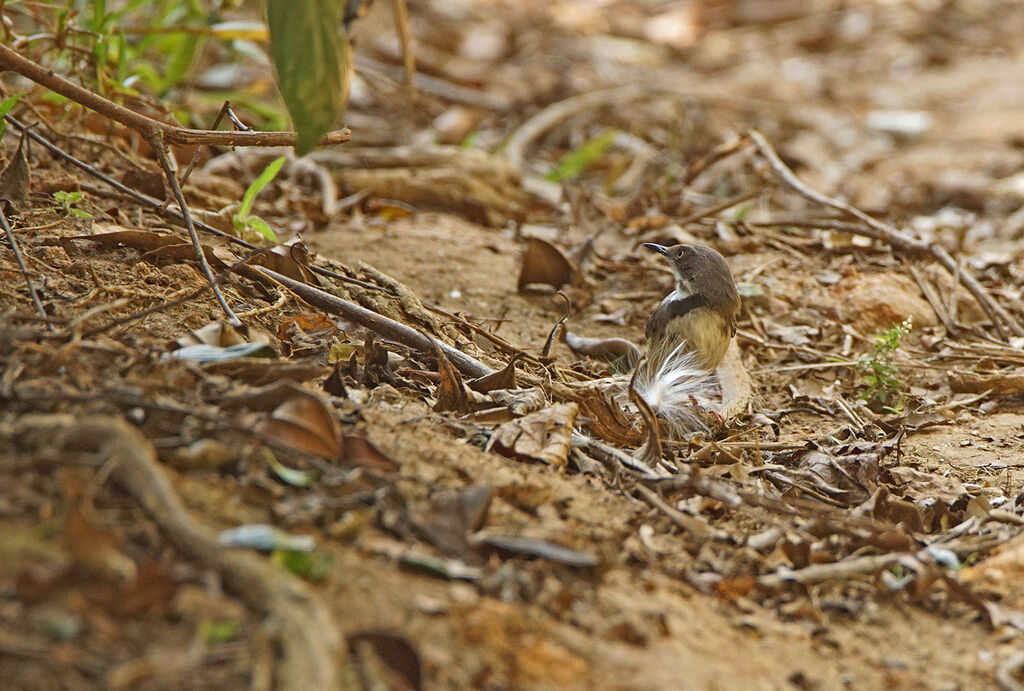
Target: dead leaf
x: 450, y: 394
x: 16, y: 176
x: 216, y: 333
x: 603, y: 349
x: 504, y: 378
x: 448, y: 517
x: 376, y: 652
x: 305, y: 423
x: 94, y: 549
x: 261, y: 371
x: 359, y: 451
x: 543, y: 436
x: 545, y: 264
x: 308, y: 322
x: 153, y: 245
x: 289, y: 259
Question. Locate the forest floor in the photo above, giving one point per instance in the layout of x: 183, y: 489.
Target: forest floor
x: 822, y: 537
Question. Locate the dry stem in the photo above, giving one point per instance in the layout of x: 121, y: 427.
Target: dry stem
x: 899, y: 240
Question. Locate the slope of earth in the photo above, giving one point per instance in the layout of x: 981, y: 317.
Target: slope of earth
x: 833, y: 533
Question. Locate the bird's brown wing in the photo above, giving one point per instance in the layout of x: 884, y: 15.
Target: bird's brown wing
x: 669, y: 310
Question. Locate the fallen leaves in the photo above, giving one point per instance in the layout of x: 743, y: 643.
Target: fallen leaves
x: 542, y: 436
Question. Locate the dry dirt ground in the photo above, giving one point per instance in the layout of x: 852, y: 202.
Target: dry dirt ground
x: 443, y: 559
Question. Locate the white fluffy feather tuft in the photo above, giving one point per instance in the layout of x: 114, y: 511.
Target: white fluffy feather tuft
x: 671, y: 383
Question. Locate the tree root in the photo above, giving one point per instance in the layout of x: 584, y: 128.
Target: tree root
x: 308, y: 638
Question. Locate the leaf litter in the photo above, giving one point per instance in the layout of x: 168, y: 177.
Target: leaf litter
x: 810, y: 516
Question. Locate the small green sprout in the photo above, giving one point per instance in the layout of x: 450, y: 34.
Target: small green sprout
x: 572, y: 165
x: 67, y: 203
x: 243, y: 220
x: 880, y: 374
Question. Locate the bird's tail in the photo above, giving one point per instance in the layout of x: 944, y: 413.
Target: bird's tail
x: 678, y: 390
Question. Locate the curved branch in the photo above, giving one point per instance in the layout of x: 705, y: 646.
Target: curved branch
x: 310, y: 642
x: 146, y: 126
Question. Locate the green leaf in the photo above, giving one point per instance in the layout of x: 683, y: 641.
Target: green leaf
x: 268, y: 174
x: 312, y: 58
x: 313, y: 566
x: 218, y: 630
x: 261, y: 227
x: 5, y: 108
x: 576, y: 161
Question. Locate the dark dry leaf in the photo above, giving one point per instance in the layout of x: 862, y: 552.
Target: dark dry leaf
x: 545, y: 264
x: 151, y: 182
x: 16, y: 177
x: 549, y: 342
x: 504, y: 378
x: 215, y: 333
x: 450, y: 394
x: 1009, y: 383
x: 154, y: 245
x: 312, y: 324
x: 603, y: 349
x: 289, y: 259
x: 448, y: 517
x: 335, y: 382
x: 395, y: 652
x: 307, y: 424
x: 259, y: 372
x: 360, y: 452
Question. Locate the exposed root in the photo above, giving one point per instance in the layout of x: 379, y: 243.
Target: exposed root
x: 309, y: 640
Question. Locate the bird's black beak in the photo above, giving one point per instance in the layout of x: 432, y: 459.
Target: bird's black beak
x: 660, y: 249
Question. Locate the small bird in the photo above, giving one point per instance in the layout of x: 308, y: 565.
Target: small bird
x: 699, y: 316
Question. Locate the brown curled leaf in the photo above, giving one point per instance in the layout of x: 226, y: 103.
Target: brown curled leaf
x: 545, y: 264
x: 451, y: 393
x: 603, y: 349
x: 559, y: 326
x: 504, y: 378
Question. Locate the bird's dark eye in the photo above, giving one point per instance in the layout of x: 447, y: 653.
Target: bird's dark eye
x: 679, y: 254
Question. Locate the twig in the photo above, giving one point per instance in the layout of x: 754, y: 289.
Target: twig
x: 146, y: 126
x: 405, y: 39
x: 1006, y: 673
x: 163, y: 156
x: 515, y: 148
x: 818, y: 573
x: 437, y: 87
x: 308, y: 637
x: 897, y: 239
x: 158, y: 205
x: 224, y: 110
x: 718, y: 208
x: 690, y: 524
x: 714, y: 156
x: 379, y: 324
x: 24, y: 271
x: 931, y: 295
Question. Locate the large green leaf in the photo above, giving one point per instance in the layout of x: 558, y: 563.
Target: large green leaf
x: 312, y: 56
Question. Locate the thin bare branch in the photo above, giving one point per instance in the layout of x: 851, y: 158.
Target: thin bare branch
x: 379, y: 324
x: 899, y: 240
x: 24, y: 270
x: 146, y: 126
x: 164, y: 157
